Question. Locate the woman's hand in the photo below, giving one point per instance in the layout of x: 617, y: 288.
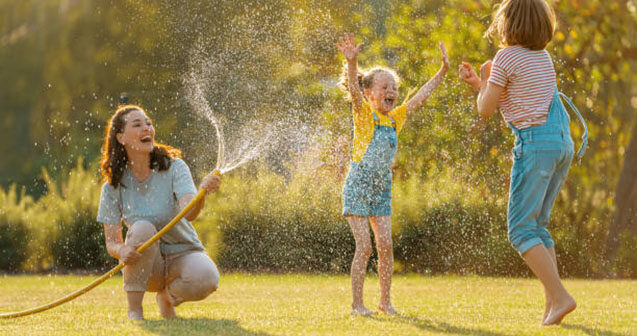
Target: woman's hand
x: 210, y: 183
x: 445, y: 60
x: 128, y: 254
x: 347, y: 47
x: 469, y: 76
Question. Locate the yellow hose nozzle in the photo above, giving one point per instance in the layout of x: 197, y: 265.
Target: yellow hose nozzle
x: 216, y: 172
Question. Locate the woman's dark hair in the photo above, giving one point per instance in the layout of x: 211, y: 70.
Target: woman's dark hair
x: 114, y: 157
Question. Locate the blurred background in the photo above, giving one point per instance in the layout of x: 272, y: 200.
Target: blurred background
x: 269, y: 71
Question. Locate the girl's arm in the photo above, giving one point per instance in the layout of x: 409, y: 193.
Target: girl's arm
x: 115, y: 245
x: 211, y: 183
x: 488, y: 93
x: 350, y: 51
x: 426, y: 90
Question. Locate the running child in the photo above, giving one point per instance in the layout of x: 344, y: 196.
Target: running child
x: 521, y: 82
x: 367, y: 189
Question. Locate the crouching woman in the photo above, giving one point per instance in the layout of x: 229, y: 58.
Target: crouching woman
x: 147, y: 185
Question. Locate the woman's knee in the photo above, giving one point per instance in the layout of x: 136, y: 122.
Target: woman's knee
x: 202, y: 284
x: 141, y: 231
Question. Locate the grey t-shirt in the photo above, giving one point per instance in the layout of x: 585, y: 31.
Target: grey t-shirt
x: 154, y: 200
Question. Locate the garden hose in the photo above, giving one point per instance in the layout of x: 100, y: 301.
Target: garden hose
x: 200, y: 195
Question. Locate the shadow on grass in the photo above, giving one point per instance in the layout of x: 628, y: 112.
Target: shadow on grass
x: 197, y: 327
x: 590, y: 331
x: 439, y: 327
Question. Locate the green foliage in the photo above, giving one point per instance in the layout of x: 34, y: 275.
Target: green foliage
x: 14, y: 234
x: 268, y: 224
x: 59, y: 230
x: 78, y: 242
x: 626, y: 263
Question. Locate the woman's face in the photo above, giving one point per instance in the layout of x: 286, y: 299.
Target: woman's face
x: 384, y: 92
x: 138, y: 134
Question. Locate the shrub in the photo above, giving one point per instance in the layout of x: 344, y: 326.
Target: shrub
x: 14, y: 234
x: 77, y: 241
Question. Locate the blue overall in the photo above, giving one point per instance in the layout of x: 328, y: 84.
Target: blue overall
x: 367, y: 189
x: 541, y: 158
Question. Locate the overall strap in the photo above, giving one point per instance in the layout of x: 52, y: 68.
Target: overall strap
x: 582, y: 148
x: 377, y: 121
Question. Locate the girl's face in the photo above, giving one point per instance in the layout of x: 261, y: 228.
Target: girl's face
x: 383, y: 93
x: 138, y: 134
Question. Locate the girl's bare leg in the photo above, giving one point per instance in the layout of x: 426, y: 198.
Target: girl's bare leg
x: 547, y: 308
x: 538, y: 258
x: 360, y: 229
x: 382, y: 234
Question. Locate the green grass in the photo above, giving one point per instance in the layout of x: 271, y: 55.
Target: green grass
x: 319, y: 305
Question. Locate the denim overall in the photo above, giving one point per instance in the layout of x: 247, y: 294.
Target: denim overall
x: 367, y: 189
x: 541, y: 158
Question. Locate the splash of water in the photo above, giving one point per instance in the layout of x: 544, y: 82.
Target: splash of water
x: 253, y: 138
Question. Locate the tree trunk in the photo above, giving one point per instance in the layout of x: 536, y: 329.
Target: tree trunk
x: 625, y: 218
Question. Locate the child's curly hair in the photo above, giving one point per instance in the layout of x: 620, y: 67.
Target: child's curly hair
x: 365, y: 78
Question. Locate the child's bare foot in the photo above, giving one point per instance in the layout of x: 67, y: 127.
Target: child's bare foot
x: 136, y: 315
x: 361, y: 311
x: 387, y: 309
x: 559, y: 311
x: 547, y: 308
x: 166, y: 307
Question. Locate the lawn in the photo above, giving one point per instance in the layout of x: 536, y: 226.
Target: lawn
x: 319, y: 305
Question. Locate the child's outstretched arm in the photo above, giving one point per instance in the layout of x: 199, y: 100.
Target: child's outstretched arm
x: 489, y: 93
x: 426, y: 90
x: 350, y: 51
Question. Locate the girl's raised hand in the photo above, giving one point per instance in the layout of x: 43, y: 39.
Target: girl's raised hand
x: 445, y: 60
x: 485, y: 71
x: 469, y: 76
x: 347, y: 47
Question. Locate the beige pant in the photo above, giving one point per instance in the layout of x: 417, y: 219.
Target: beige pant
x: 188, y: 276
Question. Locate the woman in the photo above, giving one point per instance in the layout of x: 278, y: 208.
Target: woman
x: 147, y: 185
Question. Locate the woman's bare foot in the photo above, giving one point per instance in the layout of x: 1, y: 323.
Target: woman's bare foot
x: 558, y: 311
x: 135, y: 315
x: 387, y: 309
x: 166, y: 307
x: 361, y: 311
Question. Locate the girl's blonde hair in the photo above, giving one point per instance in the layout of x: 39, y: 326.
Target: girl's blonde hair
x: 365, y: 79
x: 528, y: 23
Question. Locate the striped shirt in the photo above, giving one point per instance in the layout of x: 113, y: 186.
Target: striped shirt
x: 528, y: 79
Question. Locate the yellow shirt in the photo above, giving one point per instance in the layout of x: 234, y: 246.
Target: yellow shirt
x: 364, y: 126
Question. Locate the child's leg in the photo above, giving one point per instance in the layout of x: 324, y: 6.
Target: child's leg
x: 549, y: 303
x: 555, y: 184
x: 541, y: 263
x: 535, y: 182
x: 360, y: 229
x: 382, y: 234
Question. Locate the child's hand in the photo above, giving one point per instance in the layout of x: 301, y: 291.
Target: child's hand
x: 445, y: 60
x: 469, y: 76
x: 485, y: 72
x: 347, y: 47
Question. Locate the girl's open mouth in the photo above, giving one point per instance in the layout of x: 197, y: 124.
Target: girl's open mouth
x: 147, y: 139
